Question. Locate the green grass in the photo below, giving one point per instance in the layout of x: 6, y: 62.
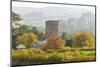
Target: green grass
x: 38, y: 56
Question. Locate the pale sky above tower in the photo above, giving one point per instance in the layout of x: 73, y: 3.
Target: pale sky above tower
x: 37, y: 13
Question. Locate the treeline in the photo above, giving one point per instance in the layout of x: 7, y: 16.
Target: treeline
x: 24, y: 35
x: 78, y: 40
x: 27, y: 35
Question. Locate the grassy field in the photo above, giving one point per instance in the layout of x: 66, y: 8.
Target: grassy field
x: 38, y: 56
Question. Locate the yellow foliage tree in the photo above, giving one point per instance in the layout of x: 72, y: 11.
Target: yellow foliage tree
x: 83, y: 39
x: 26, y: 39
x: 54, y: 42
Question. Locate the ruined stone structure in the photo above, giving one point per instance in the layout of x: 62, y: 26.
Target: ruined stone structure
x: 51, y: 27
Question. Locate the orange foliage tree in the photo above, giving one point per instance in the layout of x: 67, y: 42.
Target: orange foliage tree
x: 54, y: 42
x: 83, y: 39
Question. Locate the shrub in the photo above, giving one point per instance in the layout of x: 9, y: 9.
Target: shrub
x: 54, y: 42
x: 51, y: 51
x: 55, y: 58
x: 37, y: 56
x: 26, y: 39
x: 83, y: 39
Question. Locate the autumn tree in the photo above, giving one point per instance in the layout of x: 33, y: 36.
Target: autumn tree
x: 83, y: 39
x: 54, y: 42
x: 26, y: 39
x: 17, y: 32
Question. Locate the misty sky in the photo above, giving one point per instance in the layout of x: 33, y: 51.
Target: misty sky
x: 36, y: 13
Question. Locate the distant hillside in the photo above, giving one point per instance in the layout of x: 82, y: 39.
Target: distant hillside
x: 85, y: 23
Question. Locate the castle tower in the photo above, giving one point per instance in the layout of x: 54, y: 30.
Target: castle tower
x: 51, y: 27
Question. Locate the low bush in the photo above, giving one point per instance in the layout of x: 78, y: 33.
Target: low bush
x: 51, y: 51
x: 55, y: 58
x: 38, y: 56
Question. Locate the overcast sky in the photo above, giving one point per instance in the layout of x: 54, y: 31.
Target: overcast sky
x: 36, y: 13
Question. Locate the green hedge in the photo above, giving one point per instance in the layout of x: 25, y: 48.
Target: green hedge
x: 38, y: 56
